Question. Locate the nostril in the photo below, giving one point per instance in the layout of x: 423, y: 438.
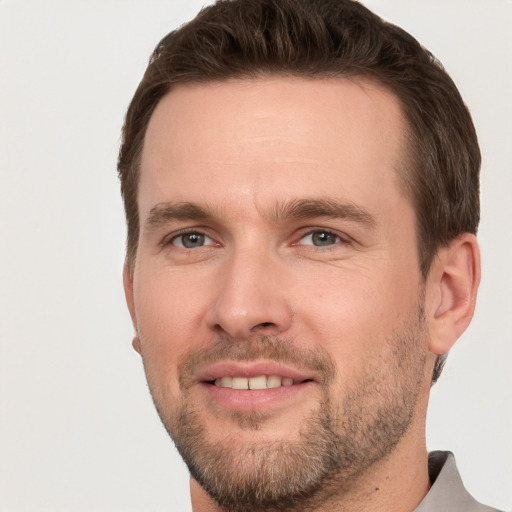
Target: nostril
x: 263, y: 327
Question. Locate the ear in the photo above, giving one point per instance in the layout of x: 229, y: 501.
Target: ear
x: 452, y: 287
x: 128, y: 293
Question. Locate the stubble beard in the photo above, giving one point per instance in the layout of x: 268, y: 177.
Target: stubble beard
x: 336, y: 443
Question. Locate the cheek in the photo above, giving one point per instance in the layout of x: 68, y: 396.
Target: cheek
x: 352, y: 312
x: 168, y: 318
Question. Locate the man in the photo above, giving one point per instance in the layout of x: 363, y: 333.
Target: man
x: 301, y: 188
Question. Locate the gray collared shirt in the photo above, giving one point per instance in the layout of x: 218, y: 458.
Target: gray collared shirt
x: 448, y: 493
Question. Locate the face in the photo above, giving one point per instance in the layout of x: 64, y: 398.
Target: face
x: 276, y: 293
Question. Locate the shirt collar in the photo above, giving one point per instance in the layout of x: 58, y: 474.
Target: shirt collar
x: 447, y: 491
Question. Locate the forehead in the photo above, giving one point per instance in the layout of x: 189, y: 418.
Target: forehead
x: 272, y: 138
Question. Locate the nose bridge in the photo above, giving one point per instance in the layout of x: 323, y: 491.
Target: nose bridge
x: 250, y: 299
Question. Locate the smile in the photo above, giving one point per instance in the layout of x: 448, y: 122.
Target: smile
x: 254, y: 385
x: 259, y: 382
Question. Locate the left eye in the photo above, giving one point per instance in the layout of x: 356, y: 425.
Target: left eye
x: 320, y: 239
x: 191, y: 240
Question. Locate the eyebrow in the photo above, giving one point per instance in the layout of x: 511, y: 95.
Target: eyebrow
x: 298, y: 209
x: 325, y: 207
x: 162, y: 213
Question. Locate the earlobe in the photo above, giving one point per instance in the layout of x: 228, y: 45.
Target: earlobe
x: 128, y: 292
x: 136, y: 345
x: 453, y: 285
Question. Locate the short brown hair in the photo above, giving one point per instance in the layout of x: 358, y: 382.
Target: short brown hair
x: 324, y: 39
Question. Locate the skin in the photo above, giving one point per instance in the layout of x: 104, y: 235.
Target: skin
x: 243, y: 150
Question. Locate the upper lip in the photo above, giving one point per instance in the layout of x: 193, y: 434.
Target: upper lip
x: 251, y: 369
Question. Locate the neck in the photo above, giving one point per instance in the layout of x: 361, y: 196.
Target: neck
x: 398, y: 483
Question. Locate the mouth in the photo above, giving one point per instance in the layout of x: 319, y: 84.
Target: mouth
x: 254, y: 385
x: 258, y: 382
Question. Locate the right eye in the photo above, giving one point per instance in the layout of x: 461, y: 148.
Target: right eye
x: 191, y: 240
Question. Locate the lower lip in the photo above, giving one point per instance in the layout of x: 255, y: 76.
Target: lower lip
x: 255, y: 399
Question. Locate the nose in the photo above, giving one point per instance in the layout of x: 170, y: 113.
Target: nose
x: 251, y: 298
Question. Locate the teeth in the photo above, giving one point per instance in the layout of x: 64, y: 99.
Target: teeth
x: 260, y: 382
x: 225, y: 382
x: 273, y: 381
x: 240, y: 383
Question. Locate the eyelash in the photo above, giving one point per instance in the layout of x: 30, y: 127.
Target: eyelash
x: 343, y: 239
x: 190, y: 231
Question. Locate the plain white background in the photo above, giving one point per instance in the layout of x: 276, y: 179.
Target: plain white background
x: 77, y: 428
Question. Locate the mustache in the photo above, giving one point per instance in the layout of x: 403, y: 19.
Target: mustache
x: 271, y: 348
